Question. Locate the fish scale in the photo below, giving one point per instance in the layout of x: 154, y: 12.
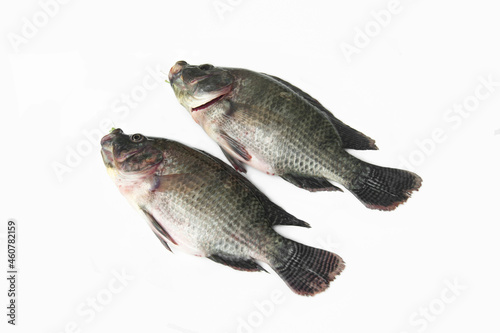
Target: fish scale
x: 291, y: 153
x: 265, y: 122
x: 206, y: 208
x: 198, y: 204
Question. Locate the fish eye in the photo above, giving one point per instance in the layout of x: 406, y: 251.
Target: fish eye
x: 137, y: 137
x: 205, y: 67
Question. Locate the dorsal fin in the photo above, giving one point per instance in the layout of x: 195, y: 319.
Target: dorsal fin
x: 351, y: 138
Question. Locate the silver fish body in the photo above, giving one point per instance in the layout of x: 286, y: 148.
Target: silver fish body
x: 265, y: 122
x: 199, y: 204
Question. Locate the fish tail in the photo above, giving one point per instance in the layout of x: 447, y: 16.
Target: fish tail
x: 384, y: 188
x: 307, y: 270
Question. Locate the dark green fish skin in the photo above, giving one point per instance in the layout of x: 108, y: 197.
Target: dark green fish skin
x: 199, y: 204
x: 267, y: 123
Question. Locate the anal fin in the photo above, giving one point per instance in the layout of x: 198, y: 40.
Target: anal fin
x: 311, y: 183
x: 237, y: 165
x: 239, y: 264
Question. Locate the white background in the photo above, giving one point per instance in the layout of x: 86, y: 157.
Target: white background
x: 76, y: 232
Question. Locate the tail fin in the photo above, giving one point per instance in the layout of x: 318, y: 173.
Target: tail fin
x: 384, y: 188
x: 307, y: 270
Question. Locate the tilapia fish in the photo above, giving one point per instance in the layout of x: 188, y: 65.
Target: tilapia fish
x: 202, y: 206
x: 265, y: 122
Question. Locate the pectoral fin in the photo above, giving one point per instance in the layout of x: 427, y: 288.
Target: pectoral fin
x: 163, y: 242
x: 236, y: 146
x: 239, y: 166
x: 159, y: 231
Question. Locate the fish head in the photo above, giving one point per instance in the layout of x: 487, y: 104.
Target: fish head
x: 198, y: 87
x: 132, y: 157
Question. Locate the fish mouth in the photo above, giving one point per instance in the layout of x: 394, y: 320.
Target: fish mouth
x: 107, y: 148
x: 176, y: 70
x: 107, y: 157
x: 198, y: 79
x: 108, y: 151
x: 112, y: 161
x: 123, y: 157
x: 106, y: 140
x: 108, y: 154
